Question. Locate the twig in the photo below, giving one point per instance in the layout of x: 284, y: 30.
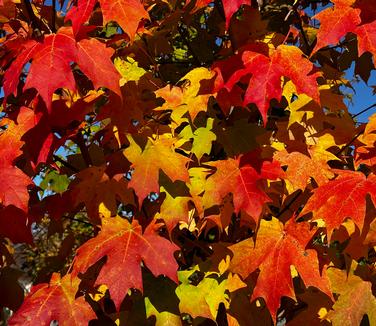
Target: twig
x: 286, y: 207
x: 365, y: 110
x: 336, y: 46
x: 349, y: 143
x: 197, y: 244
x: 185, y: 39
x: 305, y: 38
x: 37, y: 24
x: 77, y: 220
x: 65, y: 163
x: 84, y: 150
x: 53, y: 18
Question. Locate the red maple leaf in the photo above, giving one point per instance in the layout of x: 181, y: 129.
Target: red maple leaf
x: 13, y: 188
x: 126, y: 246
x: 54, y: 301
x: 51, y: 65
x: 127, y: 13
x: 266, y: 72
x: 277, y: 248
x: 243, y: 178
x: 344, y: 197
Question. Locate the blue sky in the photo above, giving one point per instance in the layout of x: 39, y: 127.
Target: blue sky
x: 362, y: 96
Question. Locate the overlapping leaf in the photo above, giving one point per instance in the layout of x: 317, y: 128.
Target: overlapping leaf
x: 94, y: 188
x: 185, y: 125
x: 55, y: 301
x: 51, y: 65
x: 266, y: 72
x: 355, y: 298
x: 157, y: 155
x: 344, y: 17
x: 301, y: 168
x: 193, y: 97
x: 13, y: 188
x: 126, y: 246
x: 243, y: 178
x: 127, y: 13
x: 276, y: 249
x: 344, y: 197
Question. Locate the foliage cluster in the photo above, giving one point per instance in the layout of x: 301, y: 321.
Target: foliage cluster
x: 171, y: 162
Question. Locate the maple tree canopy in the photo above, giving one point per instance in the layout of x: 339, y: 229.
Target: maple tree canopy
x: 190, y: 162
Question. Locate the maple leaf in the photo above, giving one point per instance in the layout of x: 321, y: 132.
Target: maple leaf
x: 316, y: 304
x: 202, y: 300
x: 174, y: 209
x: 344, y: 197
x: 367, y: 39
x: 355, y: 298
x: 126, y: 246
x: 14, y: 225
x: 94, y: 188
x: 277, y: 248
x: 343, y: 18
x: 94, y: 59
x: 10, y: 139
x: 336, y: 22
x: 80, y: 14
x: 7, y: 10
x: 127, y: 13
x: 368, y: 12
x: 54, y: 301
x: 51, y: 65
x: 305, y: 111
x: 230, y: 7
x: 164, y: 114
x: 157, y: 155
x: 164, y: 318
x: 193, y: 97
x: 242, y: 177
x: 161, y: 301
x: 266, y: 71
x: 11, y: 76
x: 202, y: 138
x: 366, y: 153
x: 51, y: 61
x: 13, y: 188
x: 301, y: 168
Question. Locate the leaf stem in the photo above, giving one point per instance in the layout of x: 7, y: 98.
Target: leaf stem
x: 365, y: 110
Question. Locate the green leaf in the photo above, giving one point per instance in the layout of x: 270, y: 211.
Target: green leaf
x: 55, y: 182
